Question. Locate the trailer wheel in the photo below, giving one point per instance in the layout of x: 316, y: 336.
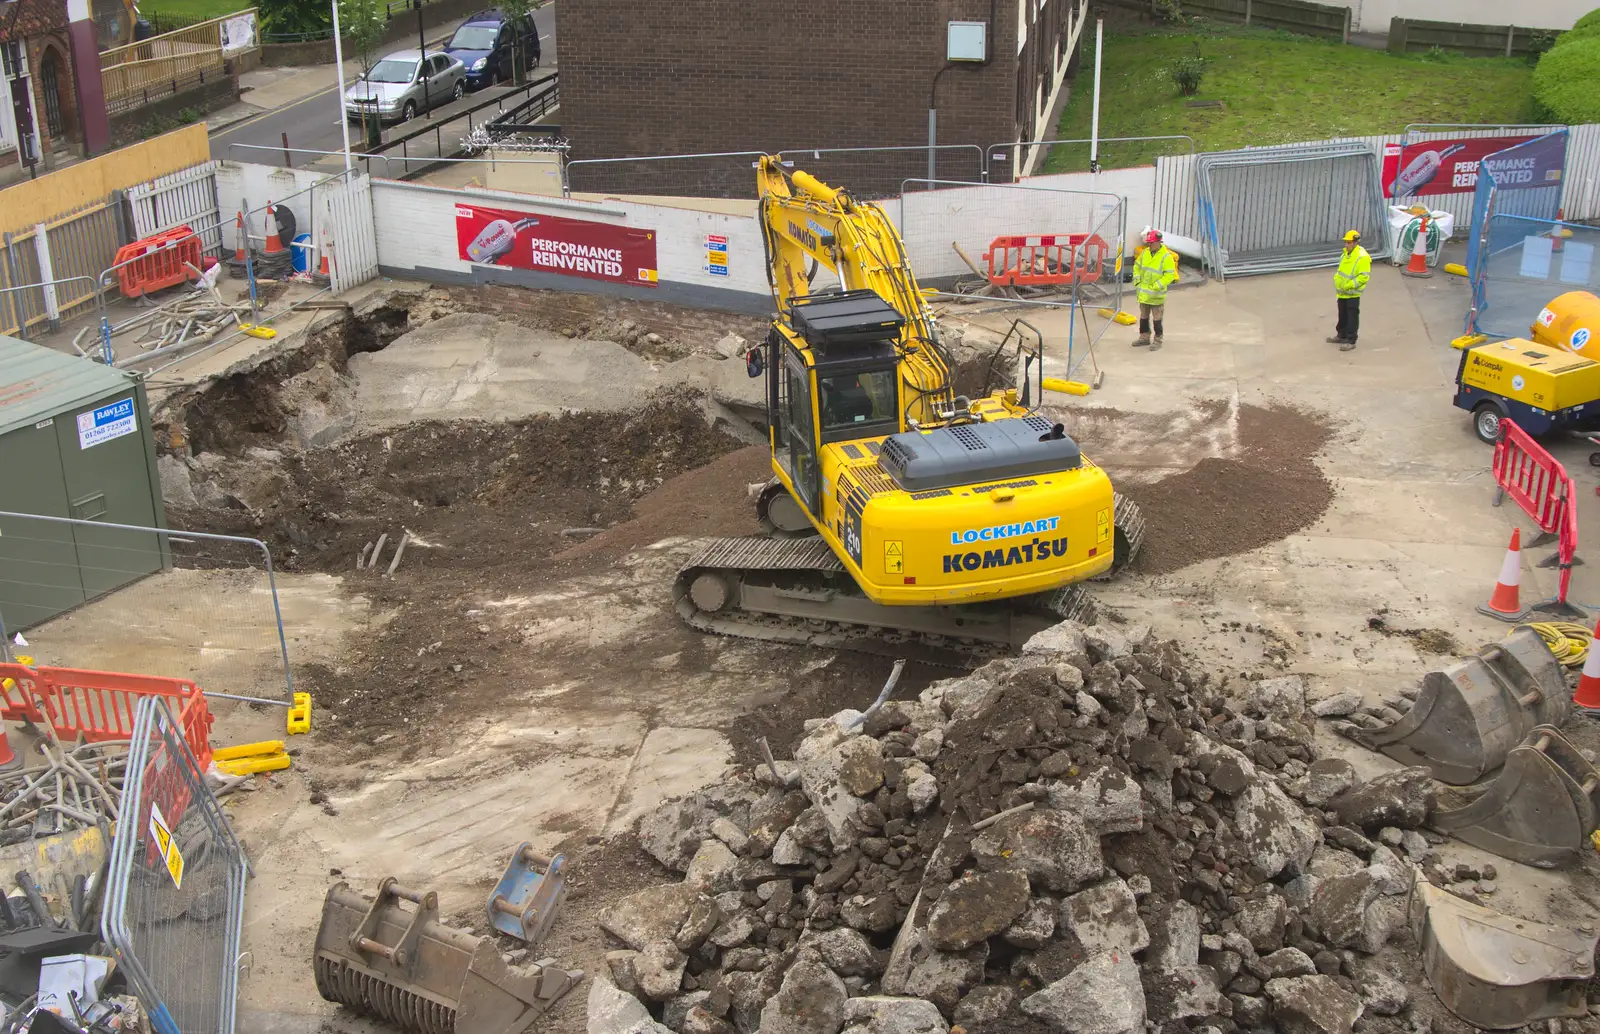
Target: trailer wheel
x: 1486, y: 419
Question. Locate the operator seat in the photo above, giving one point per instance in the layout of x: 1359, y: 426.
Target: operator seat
x: 845, y: 403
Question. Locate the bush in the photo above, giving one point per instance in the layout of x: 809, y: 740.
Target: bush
x: 1588, y: 21
x: 1587, y: 27
x: 1170, y: 11
x: 1566, y: 82
x: 1186, y: 73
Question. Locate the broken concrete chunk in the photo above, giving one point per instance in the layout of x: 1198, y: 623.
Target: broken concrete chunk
x: 848, y: 952
x: 651, y: 916
x: 1105, y: 916
x: 880, y: 1014
x: 1312, y: 1005
x: 1391, y: 874
x: 943, y: 977
x: 673, y: 832
x: 984, y: 1004
x: 1065, y: 639
x: 1340, y: 911
x: 1179, y: 937
x: 1325, y: 779
x: 1288, y: 962
x: 922, y: 793
x: 1282, y: 699
x: 659, y: 969
x: 711, y: 870
x: 1276, y: 831
x: 612, y: 1011
x: 1055, y: 849
x: 1035, y: 926
x: 976, y: 907
x: 1106, y: 799
x: 1336, y: 706
x: 1183, y: 993
x: 704, y: 915
x: 732, y: 932
x: 677, y: 1010
x: 1262, y: 922
x: 1383, y: 994
x: 771, y: 815
x: 1102, y: 996
x: 730, y: 834
x: 875, y: 913
x: 811, y: 1001
x: 1327, y: 862
x: 731, y: 346
x: 1105, y: 643
x: 1403, y: 799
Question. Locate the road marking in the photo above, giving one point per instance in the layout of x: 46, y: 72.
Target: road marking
x: 273, y: 111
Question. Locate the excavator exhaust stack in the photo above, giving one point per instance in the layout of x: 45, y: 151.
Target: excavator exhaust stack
x: 1496, y: 971
x: 405, y: 967
x: 1469, y: 717
x: 1540, y: 810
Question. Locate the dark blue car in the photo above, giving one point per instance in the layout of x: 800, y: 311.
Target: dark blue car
x: 486, y: 44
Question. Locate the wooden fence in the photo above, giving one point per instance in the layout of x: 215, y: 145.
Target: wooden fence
x: 1410, y: 35
x: 1302, y: 16
x: 160, y: 66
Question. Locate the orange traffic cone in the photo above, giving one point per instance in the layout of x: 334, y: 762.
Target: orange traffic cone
x: 1558, y: 233
x: 1418, y: 266
x: 238, y: 237
x: 1587, y: 696
x: 322, y: 269
x: 1505, y: 602
x: 274, y: 242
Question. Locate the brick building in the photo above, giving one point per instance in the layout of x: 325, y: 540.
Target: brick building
x: 642, y: 77
x: 50, y: 98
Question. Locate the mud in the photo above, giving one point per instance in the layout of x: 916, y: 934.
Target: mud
x: 1269, y: 489
x: 1427, y: 640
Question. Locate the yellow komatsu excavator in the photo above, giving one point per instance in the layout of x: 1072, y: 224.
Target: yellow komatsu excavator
x: 898, y: 510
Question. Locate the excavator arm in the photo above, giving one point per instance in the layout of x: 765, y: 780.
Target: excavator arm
x: 809, y: 227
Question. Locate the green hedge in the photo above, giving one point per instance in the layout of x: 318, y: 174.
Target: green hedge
x: 1586, y: 27
x: 1566, y: 81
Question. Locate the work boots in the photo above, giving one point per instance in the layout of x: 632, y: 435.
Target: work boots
x: 1155, y: 345
x: 1141, y: 341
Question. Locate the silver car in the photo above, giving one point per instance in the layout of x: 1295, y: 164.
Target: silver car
x: 405, y: 83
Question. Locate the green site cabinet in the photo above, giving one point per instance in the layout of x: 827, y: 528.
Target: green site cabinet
x: 75, y: 442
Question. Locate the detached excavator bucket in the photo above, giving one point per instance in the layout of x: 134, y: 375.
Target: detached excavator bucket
x: 1497, y: 971
x: 1469, y: 716
x: 404, y: 966
x: 1541, y: 808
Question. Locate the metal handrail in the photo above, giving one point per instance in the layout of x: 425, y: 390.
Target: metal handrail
x: 997, y: 152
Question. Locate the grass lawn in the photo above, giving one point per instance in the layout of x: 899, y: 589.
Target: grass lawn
x: 193, y: 10
x: 1274, y: 88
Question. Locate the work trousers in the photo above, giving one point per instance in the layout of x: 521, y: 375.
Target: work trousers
x: 1349, y: 319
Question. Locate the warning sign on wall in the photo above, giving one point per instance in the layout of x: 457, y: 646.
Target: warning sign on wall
x: 716, y: 254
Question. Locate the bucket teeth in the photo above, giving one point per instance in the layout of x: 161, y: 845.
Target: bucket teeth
x: 1470, y: 716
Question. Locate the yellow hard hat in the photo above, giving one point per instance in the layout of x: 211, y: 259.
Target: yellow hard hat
x: 1352, y: 235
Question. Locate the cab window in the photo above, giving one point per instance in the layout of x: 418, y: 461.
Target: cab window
x: 855, y: 400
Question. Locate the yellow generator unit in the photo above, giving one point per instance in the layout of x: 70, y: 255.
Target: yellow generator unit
x: 1571, y: 321
x: 1539, y: 386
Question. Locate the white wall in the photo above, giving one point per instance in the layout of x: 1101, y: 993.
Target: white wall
x: 241, y: 182
x: 1374, y: 15
x: 416, y: 231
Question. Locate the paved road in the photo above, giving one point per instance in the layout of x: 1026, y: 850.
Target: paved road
x: 312, y: 122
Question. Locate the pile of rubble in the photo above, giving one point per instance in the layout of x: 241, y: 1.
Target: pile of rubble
x: 1085, y: 838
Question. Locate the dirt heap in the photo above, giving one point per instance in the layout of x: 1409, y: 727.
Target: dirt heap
x: 1082, y: 839
x: 473, y: 494
x: 1269, y: 490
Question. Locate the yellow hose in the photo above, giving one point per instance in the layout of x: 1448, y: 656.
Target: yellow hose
x: 1568, y: 641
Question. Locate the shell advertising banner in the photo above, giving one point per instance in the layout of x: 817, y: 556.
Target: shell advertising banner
x: 553, y: 244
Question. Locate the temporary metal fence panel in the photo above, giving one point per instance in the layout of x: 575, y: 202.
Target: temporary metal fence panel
x: 148, y: 601
x: 174, y: 905
x: 1580, y: 195
x: 1528, y: 261
x: 186, y: 197
x: 78, y: 244
x: 937, y: 216
x: 345, y: 202
x: 1277, y: 209
x: 729, y: 174
x: 881, y: 173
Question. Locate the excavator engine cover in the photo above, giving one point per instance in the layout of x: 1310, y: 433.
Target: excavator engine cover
x: 1540, y: 810
x: 1469, y: 716
x: 405, y: 967
x: 1496, y: 971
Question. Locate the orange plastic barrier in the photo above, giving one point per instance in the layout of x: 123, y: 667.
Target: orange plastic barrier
x: 1047, y: 259
x: 99, y: 705
x: 158, y: 261
x: 1538, y: 483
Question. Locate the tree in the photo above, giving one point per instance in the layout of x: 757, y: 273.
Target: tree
x: 517, y: 10
x: 362, y: 24
x: 1566, y: 82
x: 295, y: 16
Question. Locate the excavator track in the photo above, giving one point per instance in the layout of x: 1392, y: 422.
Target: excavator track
x: 794, y: 590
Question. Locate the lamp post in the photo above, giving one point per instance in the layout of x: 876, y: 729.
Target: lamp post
x: 338, y: 57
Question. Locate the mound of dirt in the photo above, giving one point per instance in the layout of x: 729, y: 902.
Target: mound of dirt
x: 712, y: 500
x: 1269, y: 490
